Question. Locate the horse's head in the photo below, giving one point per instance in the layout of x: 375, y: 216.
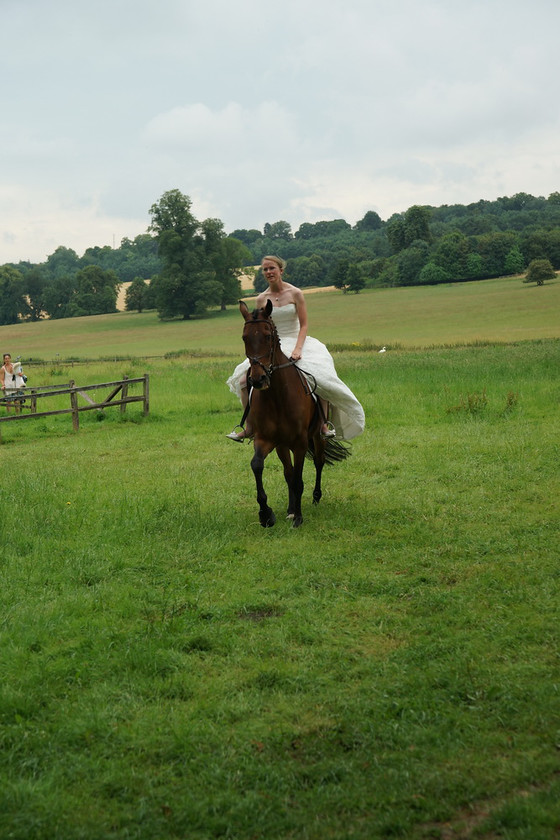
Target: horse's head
x: 261, y: 343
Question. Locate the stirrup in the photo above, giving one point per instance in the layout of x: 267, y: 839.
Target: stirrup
x: 331, y: 431
x: 238, y: 437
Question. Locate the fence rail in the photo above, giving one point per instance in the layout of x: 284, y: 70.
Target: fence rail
x: 27, y: 398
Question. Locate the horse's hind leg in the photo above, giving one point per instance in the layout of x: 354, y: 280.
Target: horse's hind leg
x: 296, y: 488
x: 266, y: 514
x: 285, y: 457
x: 319, y: 461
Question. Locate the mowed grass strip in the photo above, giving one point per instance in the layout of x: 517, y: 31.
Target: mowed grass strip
x: 170, y: 669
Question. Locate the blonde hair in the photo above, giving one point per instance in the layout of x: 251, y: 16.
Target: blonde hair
x: 278, y: 260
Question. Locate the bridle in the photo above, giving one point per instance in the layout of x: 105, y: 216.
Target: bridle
x: 274, y: 343
x: 271, y: 367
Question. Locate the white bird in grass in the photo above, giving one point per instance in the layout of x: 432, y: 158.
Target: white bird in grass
x: 383, y: 350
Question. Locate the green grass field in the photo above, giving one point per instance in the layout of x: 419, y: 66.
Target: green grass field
x: 169, y: 669
x: 502, y: 310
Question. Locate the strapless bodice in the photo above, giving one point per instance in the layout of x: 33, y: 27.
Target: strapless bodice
x: 286, y: 321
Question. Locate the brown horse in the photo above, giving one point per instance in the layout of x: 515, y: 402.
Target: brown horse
x: 284, y: 415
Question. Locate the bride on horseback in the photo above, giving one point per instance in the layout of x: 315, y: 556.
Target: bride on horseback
x: 342, y: 412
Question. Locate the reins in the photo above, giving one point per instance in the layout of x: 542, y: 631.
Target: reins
x: 304, y: 375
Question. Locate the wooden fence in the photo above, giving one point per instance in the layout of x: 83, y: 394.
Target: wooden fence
x: 31, y: 396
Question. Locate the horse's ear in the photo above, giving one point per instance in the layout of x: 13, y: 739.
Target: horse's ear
x: 268, y: 307
x: 244, y: 309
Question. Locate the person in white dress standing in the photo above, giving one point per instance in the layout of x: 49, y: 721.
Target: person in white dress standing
x: 289, y: 313
x: 11, y: 382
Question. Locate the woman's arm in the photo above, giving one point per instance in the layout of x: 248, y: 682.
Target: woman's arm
x: 301, y: 309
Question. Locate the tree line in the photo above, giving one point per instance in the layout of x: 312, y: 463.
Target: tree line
x: 192, y: 265
x: 422, y: 246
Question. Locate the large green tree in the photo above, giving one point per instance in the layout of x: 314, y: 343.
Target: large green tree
x: 136, y: 295
x: 417, y: 224
x: 414, y: 225
x: 432, y: 275
x: 542, y: 244
x: 95, y: 293
x: 91, y: 291
x: 371, y: 221
x: 514, y: 262
x: 494, y: 248
x: 338, y: 274
x: 451, y: 254
x: 307, y: 271
x: 411, y: 261
x: 35, y: 284
x: 63, y: 262
x: 57, y: 296
x: 396, y: 233
x: 278, y: 230
x: 12, y: 300
x: 227, y: 256
x: 355, y: 279
x: 187, y: 284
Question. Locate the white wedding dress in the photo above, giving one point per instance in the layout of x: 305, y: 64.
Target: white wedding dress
x: 14, y: 382
x: 347, y: 415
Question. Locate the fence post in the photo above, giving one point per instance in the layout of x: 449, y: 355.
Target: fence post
x: 33, y: 402
x: 74, y: 405
x: 146, y: 394
x: 124, y: 393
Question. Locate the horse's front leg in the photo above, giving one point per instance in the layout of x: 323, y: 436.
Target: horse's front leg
x: 266, y: 514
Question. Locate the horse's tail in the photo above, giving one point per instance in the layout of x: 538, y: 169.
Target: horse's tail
x: 335, y: 450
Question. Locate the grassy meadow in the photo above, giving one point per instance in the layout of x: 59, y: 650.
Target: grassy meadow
x: 501, y: 310
x: 169, y: 669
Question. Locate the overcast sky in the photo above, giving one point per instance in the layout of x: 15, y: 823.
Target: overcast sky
x: 262, y: 110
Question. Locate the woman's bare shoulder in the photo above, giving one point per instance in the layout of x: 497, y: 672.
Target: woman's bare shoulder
x: 295, y: 291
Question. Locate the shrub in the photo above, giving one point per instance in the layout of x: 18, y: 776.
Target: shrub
x: 473, y: 404
x: 539, y: 271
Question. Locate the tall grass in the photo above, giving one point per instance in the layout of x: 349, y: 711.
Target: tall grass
x: 170, y: 669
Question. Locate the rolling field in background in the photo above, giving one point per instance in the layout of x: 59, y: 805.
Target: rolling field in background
x: 169, y: 669
x: 502, y: 310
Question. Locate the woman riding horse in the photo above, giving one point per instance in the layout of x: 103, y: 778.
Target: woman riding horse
x: 283, y: 413
x: 289, y: 313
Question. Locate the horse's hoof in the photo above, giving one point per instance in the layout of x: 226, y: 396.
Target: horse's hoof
x: 290, y: 515
x: 267, y: 520
x: 297, y: 521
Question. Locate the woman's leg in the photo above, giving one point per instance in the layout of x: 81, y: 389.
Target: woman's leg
x: 247, y: 432
x: 326, y: 429
x: 244, y: 402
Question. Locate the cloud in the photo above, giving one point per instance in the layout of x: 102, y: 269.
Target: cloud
x: 260, y: 112
x: 28, y: 232
x: 226, y: 133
